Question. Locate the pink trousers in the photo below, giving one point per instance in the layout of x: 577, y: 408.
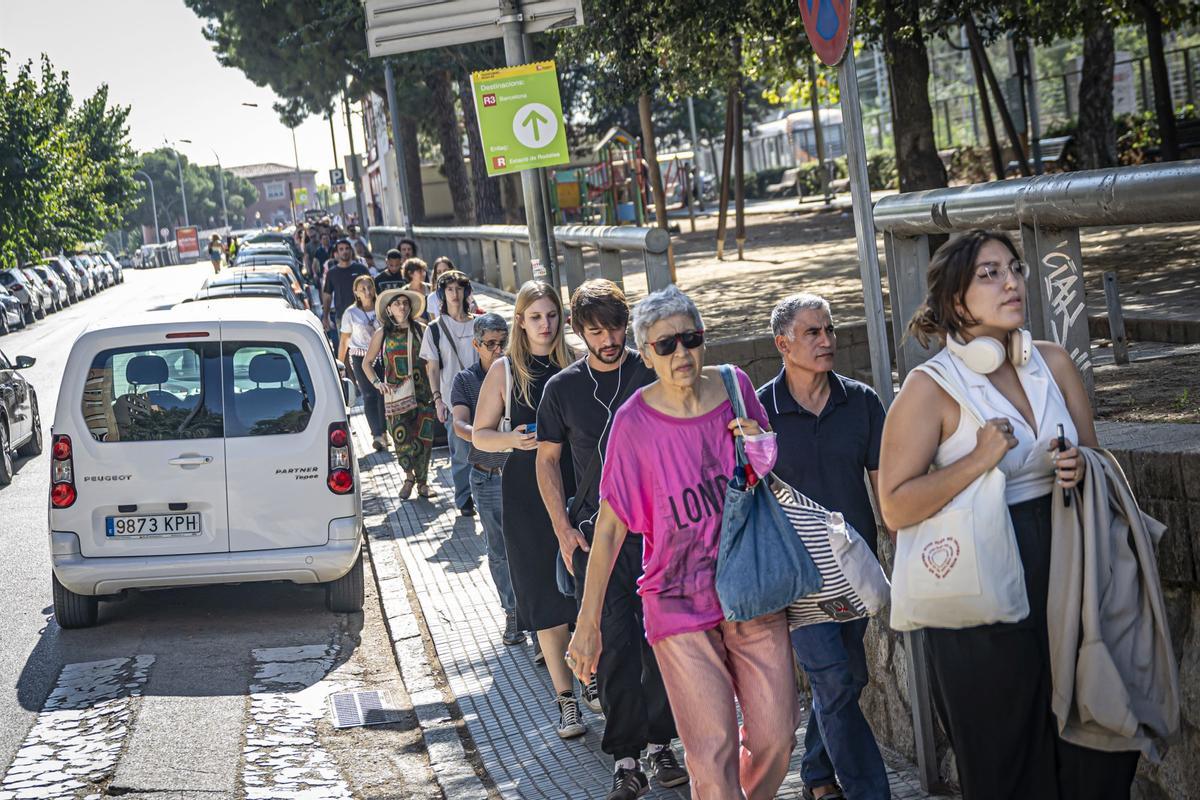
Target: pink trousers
x: 704, y: 673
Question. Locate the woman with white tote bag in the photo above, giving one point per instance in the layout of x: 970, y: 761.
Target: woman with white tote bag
x: 973, y: 431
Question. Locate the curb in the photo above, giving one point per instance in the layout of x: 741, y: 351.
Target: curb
x: 406, y: 628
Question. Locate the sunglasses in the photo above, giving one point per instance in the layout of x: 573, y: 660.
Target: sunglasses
x: 494, y: 346
x: 668, y: 344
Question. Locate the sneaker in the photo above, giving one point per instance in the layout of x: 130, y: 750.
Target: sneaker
x: 539, y: 657
x: 666, y: 768
x: 512, y: 632
x: 628, y: 784
x: 468, y: 510
x: 569, y: 723
x: 379, y: 443
x: 591, y: 696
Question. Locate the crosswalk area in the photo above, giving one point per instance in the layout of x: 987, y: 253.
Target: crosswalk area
x: 84, y: 742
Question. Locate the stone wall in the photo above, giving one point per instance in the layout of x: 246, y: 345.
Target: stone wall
x: 1162, y: 463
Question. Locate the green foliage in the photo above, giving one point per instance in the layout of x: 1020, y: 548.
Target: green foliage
x: 64, y: 176
x: 203, y: 193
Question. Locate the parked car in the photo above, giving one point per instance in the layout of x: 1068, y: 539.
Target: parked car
x: 61, y: 267
x: 85, y: 275
x: 101, y: 271
x: 171, y: 428
x: 49, y: 294
x: 244, y: 276
x: 15, y: 281
x: 20, y: 423
x: 282, y: 293
x: 12, y: 313
x: 125, y: 261
x: 115, y: 265
x: 62, y: 297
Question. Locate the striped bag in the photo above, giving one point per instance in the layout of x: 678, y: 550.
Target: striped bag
x: 853, y: 583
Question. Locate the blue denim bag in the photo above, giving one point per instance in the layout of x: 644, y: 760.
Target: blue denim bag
x: 762, y: 565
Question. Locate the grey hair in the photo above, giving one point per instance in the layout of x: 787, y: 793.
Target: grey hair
x: 489, y: 322
x: 783, y: 316
x: 660, y: 305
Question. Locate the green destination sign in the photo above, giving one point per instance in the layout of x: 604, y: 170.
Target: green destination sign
x: 520, y: 117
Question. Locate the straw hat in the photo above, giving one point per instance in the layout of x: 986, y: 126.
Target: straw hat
x: 416, y: 303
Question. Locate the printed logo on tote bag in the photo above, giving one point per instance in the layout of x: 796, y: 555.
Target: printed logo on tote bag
x: 940, y: 556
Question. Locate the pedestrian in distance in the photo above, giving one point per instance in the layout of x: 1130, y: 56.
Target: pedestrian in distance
x: 442, y: 265
x: 359, y: 324
x: 337, y: 289
x: 407, y: 248
x: 670, y: 454
x: 392, y: 274
x: 573, y: 422
x: 506, y: 419
x: 414, y: 271
x: 447, y: 350
x: 829, y: 429
x: 992, y: 683
x: 215, y: 251
x: 490, y: 338
x: 404, y: 384
x: 363, y: 253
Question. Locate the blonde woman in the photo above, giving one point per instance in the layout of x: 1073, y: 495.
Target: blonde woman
x: 537, y: 352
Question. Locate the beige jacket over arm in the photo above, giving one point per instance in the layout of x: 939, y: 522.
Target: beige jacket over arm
x: 1115, y: 678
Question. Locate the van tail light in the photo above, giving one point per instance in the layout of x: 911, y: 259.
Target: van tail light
x: 341, y: 474
x: 62, y: 473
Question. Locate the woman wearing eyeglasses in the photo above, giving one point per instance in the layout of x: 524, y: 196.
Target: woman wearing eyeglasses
x: 536, y: 352
x: 992, y: 683
x: 670, y: 454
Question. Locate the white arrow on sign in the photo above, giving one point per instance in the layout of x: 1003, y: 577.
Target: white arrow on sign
x: 535, y: 125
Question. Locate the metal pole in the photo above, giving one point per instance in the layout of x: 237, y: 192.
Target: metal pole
x: 153, y: 204
x: 221, y: 177
x: 299, y: 184
x: 695, y: 181
x: 182, y: 191
x: 358, y: 192
x: 401, y: 164
x: 818, y: 132
x: 535, y: 215
x: 864, y: 225
x: 333, y: 141
x: 1116, y: 319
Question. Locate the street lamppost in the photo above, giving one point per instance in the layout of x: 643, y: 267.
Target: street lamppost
x: 221, y: 179
x: 182, y: 191
x: 296, y: 155
x: 153, y: 204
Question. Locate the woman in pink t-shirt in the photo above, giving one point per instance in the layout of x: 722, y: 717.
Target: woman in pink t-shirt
x: 670, y: 454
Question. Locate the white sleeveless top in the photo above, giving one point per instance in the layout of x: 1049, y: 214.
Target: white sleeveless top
x: 1028, y: 467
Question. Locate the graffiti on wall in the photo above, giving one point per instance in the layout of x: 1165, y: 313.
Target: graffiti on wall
x: 1063, y: 290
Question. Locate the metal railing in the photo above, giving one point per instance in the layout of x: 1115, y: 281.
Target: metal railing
x: 1048, y: 211
x: 499, y: 255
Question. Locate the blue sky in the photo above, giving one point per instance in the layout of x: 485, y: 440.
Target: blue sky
x: 155, y: 59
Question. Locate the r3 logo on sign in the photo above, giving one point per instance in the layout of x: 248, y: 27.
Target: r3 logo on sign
x: 535, y: 125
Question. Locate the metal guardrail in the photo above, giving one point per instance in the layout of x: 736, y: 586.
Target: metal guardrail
x: 1048, y: 210
x: 499, y: 255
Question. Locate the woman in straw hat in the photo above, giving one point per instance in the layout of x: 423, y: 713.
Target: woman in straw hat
x: 408, y: 400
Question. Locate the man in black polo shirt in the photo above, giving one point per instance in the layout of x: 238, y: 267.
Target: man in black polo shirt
x: 829, y: 428
x: 577, y: 408
x: 337, y: 292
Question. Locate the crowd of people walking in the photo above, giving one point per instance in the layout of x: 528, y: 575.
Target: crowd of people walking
x: 604, y: 482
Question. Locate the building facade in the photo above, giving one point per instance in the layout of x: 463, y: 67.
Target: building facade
x: 276, y: 185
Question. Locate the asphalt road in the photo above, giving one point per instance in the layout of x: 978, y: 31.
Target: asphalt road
x: 215, y: 692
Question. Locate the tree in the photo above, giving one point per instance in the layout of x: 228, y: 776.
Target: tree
x: 1096, y: 133
x: 203, y: 192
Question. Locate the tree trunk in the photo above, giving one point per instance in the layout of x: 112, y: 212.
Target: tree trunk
x: 989, y: 124
x: 650, y: 152
x: 445, y: 121
x: 917, y: 160
x: 1164, y: 106
x: 1096, y: 134
x: 412, y: 166
x: 1006, y: 119
x: 488, y: 209
x: 726, y: 168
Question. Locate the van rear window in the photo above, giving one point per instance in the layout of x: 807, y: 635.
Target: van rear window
x: 268, y: 389
x: 154, y: 393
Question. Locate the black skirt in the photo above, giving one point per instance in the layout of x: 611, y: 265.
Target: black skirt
x: 532, y: 547
x: 992, y: 688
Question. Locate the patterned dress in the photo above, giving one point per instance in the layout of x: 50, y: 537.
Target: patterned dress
x: 412, y: 433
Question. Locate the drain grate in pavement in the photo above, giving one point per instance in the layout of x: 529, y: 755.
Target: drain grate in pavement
x: 351, y: 709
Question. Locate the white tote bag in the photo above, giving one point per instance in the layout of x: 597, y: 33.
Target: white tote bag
x: 853, y: 584
x: 960, y: 568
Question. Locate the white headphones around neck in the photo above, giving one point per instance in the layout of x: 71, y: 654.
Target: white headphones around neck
x: 984, y: 354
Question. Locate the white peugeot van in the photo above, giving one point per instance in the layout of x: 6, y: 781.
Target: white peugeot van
x: 203, y: 444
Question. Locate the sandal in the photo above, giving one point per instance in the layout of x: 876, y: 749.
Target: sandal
x: 424, y: 490
x: 835, y: 793
x: 406, y: 490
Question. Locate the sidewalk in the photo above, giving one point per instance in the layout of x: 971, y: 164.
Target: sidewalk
x: 423, y: 550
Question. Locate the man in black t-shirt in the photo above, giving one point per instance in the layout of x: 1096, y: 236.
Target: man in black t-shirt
x: 337, y: 292
x: 392, y: 276
x: 577, y: 408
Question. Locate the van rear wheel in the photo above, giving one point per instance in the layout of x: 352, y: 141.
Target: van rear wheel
x: 345, y: 595
x: 73, y: 610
